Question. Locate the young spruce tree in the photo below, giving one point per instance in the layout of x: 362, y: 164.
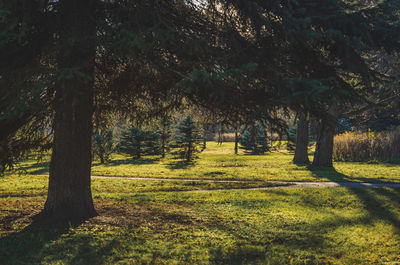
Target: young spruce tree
x: 137, y: 143
x: 164, y: 131
x: 103, y: 145
x: 187, y: 139
x: 254, y: 141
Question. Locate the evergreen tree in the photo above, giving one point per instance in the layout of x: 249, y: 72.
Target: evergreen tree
x: 103, y: 145
x: 254, y: 141
x: 164, y: 132
x: 137, y: 143
x: 187, y: 139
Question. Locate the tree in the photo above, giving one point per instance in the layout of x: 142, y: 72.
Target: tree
x: 324, y: 148
x: 77, y: 58
x: 69, y: 194
x: 320, y: 53
x: 254, y: 140
x: 164, y: 132
x: 137, y: 143
x: 236, y: 139
x: 103, y: 145
x: 187, y: 139
x: 301, y: 151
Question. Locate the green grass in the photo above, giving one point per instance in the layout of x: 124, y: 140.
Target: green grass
x: 219, y: 162
x: 281, y: 226
x: 34, y: 185
x: 147, y: 222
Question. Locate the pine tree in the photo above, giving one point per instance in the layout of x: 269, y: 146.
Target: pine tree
x: 103, y: 145
x: 254, y: 141
x: 164, y: 132
x: 137, y: 143
x: 187, y: 139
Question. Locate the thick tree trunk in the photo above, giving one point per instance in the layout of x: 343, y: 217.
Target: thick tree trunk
x: 301, y: 152
x: 324, y: 149
x: 69, y: 194
x: 236, y: 140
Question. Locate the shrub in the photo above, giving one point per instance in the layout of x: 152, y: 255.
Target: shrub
x: 357, y: 146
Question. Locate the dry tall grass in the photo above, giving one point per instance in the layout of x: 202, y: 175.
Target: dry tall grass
x: 226, y: 137
x: 357, y: 146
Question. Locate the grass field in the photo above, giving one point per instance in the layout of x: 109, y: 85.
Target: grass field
x: 146, y: 222
x: 219, y: 162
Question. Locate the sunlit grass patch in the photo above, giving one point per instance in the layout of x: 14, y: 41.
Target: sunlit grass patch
x: 281, y: 226
x: 220, y: 162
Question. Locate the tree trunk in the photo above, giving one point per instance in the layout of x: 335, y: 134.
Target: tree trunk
x: 301, y: 152
x: 236, y: 140
x: 220, y: 134
x: 163, y: 146
x: 69, y: 194
x: 204, y: 137
x: 189, y: 153
x: 324, y: 149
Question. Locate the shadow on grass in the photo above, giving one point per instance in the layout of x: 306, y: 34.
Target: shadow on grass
x: 36, y: 168
x: 38, y: 243
x: 372, y: 198
x: 24, y: 247
x: 214, y: 174
x: 331, y: 174
x: 128, y: 161
x: 180, y: 164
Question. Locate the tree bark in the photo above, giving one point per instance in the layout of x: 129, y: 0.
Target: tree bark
x: 236, y: 140
x: 163, y: 146
x: 301, y: 152
x: 324, y: 149
x: 69, y: 194
x: 205, y: 132
x: 189, y: 153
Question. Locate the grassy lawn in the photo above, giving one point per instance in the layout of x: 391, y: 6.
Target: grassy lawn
x: 280, y: 226
x: 219, y: 162
x: 148, y: 222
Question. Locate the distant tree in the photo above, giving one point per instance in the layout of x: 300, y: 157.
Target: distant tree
x: 205, y: 133
x: 187, y: 139
x: 137, y: 143
x: 254, y: 140
x: 236, y: 139
x: 103, y: 145
x: 164, y: 132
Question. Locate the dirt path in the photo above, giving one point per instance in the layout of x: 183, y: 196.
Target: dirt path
x: 289, y: 184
